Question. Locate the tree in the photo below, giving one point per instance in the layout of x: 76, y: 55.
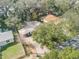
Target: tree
x: 29, y: 9
x: 59, y: 7
x: 4, y: 3
x: 49, y: 33
x: 55, y: 9
x: 72, y: 16
x: 2, y: 25
x: 64, y: 5
x: 7, y: 8
x: 13, y: 23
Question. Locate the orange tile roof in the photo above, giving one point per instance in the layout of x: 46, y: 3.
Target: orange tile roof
x: 50, y: 18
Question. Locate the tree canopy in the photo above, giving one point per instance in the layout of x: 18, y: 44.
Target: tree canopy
x: 48, y: 33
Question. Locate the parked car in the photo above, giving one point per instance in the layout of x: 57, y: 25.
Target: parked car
x: 28, y: 34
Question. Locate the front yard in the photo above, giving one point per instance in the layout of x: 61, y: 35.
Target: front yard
x: 13, y: 52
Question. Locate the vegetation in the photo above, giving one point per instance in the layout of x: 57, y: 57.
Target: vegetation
x: 72, y: 16
x: 16, y: 12
x: 12, y: 52
x: 13, y: 23
x: 32, y: 10
x: 49, y: 33
x: 59, y: 7
x: 66, y: 53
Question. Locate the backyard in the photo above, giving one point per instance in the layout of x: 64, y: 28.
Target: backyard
x: 13, y: 52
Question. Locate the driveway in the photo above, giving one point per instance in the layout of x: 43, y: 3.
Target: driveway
x: 39, y: 49
x: 35, y: 48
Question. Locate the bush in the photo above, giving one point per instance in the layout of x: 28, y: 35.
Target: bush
x: 67, y: 53
x: 52, y: 55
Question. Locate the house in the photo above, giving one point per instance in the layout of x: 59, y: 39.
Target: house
x: 6, y: 38
x: 50, y: 18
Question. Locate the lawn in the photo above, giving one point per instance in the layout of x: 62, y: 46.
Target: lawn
x: 13, y: 52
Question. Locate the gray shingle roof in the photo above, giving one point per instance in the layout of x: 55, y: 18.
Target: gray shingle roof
x: 6, y: 36
x: 73, y: 42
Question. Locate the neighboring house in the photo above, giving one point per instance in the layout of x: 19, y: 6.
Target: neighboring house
x: 6, y: 38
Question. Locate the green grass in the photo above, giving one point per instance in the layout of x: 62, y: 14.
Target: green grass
x: 13, y: 52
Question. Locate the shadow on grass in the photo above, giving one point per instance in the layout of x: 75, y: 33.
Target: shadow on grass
x: 7, y: 46
x: 0, y: 55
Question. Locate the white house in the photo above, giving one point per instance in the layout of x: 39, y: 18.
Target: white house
x: 6, y: 38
